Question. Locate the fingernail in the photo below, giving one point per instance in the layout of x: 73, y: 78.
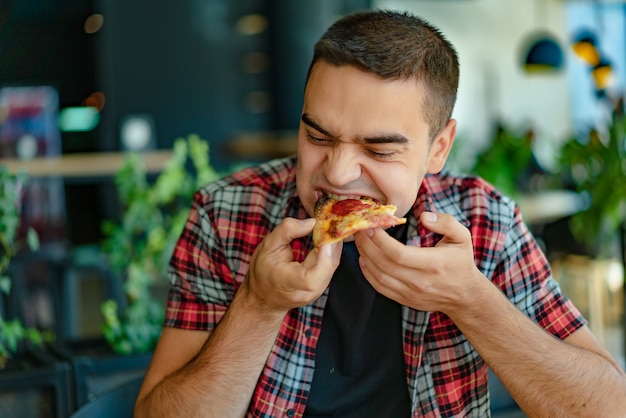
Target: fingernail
x: 430, y: 217
x: 328, y: 248
x: 369, y: 232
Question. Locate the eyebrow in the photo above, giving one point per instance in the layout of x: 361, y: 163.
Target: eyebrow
x: 306, y: 119
x: 389, y: 138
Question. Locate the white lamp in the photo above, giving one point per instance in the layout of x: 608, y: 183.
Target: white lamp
x: 137, y: 133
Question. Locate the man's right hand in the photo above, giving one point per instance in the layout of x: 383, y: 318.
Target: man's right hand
x: 200, y: 373
x: 276, y: 281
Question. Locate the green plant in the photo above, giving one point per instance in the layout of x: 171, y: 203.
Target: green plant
x: 504, y: 162
x: 12, y: 332
x: 596, y: 166
x: 139, y: 245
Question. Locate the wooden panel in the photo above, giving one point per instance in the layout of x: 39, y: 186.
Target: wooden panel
x: 84, y: 164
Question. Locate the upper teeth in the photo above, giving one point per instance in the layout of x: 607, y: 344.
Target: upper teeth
x: 341, y: 197
x: 336, y: 196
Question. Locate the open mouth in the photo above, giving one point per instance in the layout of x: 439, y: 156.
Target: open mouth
x: 331, y: 196
x: 328, y: 195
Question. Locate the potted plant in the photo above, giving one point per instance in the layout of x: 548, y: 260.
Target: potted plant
x: 12, y: 331
x: 26, y: 367
x: 595, y: 166
x: 509, y: 163
x: 138, y: 246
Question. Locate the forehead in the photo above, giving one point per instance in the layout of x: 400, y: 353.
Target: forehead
x: 349, y: 102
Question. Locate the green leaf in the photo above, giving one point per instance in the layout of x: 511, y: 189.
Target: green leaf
x: 139, y: 244
x: 34, y: 336
x: 32, y: 239
x: 5, y: 284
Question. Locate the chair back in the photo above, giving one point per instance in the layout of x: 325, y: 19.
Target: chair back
x: 116, y: 403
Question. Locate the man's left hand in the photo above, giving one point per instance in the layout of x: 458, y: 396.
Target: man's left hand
x: 440, y: 278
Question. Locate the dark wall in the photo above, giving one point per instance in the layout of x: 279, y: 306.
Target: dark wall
x: 43, y: 42
x: 296, y: 26
x: 180, y: 63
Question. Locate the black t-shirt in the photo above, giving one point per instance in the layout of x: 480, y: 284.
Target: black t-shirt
x: 359, y: 367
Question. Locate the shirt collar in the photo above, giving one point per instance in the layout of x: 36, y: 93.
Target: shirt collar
x: 432, y: 197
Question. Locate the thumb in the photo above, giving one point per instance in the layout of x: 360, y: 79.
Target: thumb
x: 292, y: 228
x: 326, y: 258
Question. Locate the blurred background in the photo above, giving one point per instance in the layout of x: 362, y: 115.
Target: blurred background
x: 233, y: 72
x: 85, y: 84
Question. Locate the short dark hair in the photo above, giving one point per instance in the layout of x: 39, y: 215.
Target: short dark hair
x: 396, y: 45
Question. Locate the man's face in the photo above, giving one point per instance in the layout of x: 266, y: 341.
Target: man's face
x: 363, y: 136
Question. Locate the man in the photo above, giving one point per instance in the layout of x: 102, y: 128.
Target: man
x: 413, y: 315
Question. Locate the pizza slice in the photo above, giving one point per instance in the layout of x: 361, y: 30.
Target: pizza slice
x: 337, y: 220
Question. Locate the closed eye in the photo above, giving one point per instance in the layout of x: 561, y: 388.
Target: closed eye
x: 318, y: 140
x: 381, y: 154
x: 372, y: 152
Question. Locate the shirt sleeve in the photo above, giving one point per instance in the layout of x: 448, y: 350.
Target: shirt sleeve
x: 201, y: 283
x: 524, y: 275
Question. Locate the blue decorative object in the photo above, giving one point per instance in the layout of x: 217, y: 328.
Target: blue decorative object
x: 544, y: 55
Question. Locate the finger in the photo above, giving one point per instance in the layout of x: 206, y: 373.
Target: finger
x: 383, y: 256
x: 325, y: 260
x: 381, y: 281
x: 276, y: 247
x: 451, y: 229
x: 296, y: 228
x: 306, y: 281
x: 378, y: 245
x: 288, y: 230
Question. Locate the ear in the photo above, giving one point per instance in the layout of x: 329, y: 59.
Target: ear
x: 440, y: 148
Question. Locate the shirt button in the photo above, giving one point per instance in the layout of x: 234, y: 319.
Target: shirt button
x: 308, y: 333
x: 291, y: 413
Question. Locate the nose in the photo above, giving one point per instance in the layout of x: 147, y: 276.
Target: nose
x: 342, y: 165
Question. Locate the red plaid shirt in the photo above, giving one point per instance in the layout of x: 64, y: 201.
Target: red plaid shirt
x: 445, y: 375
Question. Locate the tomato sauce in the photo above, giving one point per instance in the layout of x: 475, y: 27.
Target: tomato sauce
x: 344, y: 207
